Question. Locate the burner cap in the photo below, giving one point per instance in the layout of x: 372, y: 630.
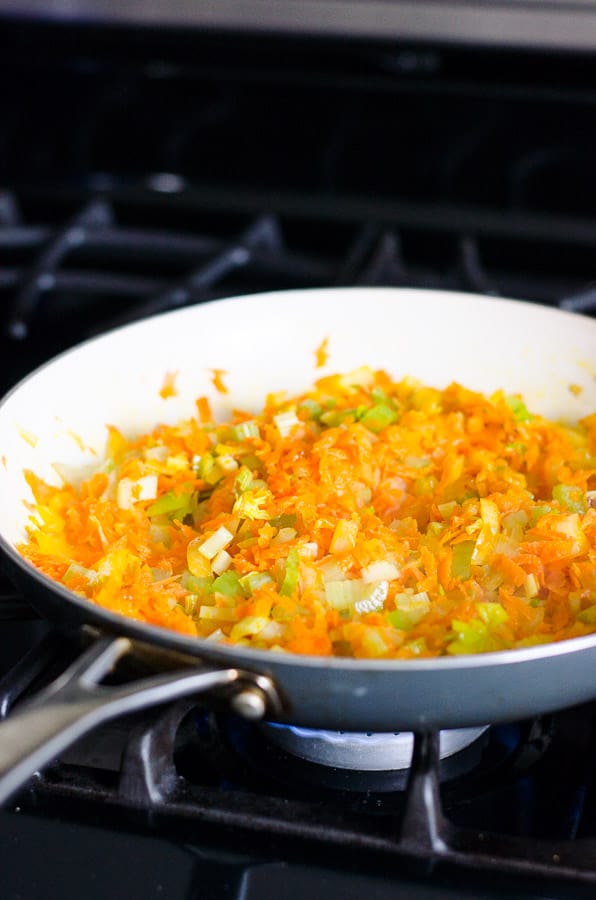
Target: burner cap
x: 380, y: 752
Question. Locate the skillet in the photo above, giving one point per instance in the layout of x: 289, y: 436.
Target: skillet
x: 267, y: 342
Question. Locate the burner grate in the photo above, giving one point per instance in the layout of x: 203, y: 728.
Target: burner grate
x: 417, y: 827
x: 91, y: 269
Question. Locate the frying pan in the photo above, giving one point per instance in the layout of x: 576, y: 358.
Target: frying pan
x: 267, y: 342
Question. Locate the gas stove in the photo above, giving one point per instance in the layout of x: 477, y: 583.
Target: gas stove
x: 143, y: 172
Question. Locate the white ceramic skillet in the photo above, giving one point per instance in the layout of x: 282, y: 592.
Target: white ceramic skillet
x: 58, y: 415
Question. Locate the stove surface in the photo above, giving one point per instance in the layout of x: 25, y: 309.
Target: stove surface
x: 143, y: 172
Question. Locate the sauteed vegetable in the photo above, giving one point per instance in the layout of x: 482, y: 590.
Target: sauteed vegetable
x: 365, y: 518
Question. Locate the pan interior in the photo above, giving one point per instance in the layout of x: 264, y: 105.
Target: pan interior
x: 268, y: 342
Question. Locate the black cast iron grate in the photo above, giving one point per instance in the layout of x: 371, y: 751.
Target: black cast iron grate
x: 148, y: 777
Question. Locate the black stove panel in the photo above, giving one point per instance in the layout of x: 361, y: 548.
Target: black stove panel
x: 142, y: 173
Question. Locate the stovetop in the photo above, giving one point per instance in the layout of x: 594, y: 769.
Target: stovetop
x: 143, y: 172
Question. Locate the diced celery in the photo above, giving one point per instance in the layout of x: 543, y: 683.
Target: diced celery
x: 243, y: 480
x: 173, y: 505
x: 410, y: 609
x: 379, y: 417
x: 462, y: 559
x: 538, y: 512
x: 245, y: 430
x: 470, y: 637
x: 292, y: 574
x: 448, y: 509
x: 356, y: 594
x: 515, y: 523
x: 571, y: 497
x: 250, y: 461
x: 334, y: 417
x: 342, y: 594
x: 284, y: 535
x: 248, y: 626
x: 313, y: 408
x: 284, y: 521
x: 228, y: 584
x: 285, y: 422
x: 253, y: 581
x: 196, y: 585
x: 588, y: 615
x: 218, y: 613
x: 425, y: 485
x: 519, y: 409
x: 492, y: 614
x: 417, y: 647
x: 227, y: 463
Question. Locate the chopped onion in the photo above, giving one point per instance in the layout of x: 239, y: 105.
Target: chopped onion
x: 285, y: 421
x: 131, y: 491
x: 219, y: 540
x: 221, y: 562
x: 380, y: 571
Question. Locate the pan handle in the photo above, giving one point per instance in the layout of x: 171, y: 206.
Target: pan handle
x: 75, y: 703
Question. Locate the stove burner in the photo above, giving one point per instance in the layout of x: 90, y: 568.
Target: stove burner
x: 365, y: 752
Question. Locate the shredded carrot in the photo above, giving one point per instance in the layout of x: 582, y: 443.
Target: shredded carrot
x: 168, y: 388
x: 365, y: 518
x: 217, y: 380
x: 322, y: 353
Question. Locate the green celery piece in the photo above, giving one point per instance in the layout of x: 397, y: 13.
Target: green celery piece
x: 470, y: 637
x: 245, y: 430
x: 379, y: 417
x: 243, y: 480
x: 335, y: 417
x: 492, y: 614
x: 253, y: 581
x: 462, y: 559
x: 209, y: 471
x: 538, y: 512
x: 588, y: 615
x: 250, y: 461
x: 519, y: 409
x: 571, y: 497
x: 228, y: 584
x: 435, y: 528
x: 286, y: 520
x: 448, y: 509
x: 196, y: 585
x: 313, y: 408
x: 403, y: 619
x: 171, y: 504
x: 378, y: 395
x: 290, y: 582
x: 425, y: 485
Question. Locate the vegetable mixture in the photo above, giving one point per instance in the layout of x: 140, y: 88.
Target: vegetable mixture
x: 365, y: 518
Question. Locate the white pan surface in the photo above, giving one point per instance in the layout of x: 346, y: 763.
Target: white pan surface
x: 267, y: 342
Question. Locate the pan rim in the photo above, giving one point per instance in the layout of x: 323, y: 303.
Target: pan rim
x: 264, y: 659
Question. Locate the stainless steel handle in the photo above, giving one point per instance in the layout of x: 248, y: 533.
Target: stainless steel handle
x: 75, y: 703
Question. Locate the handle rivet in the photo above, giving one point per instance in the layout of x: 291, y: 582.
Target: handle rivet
x: 250, y: 703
